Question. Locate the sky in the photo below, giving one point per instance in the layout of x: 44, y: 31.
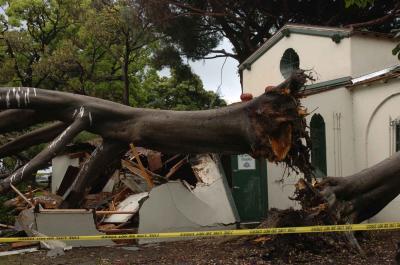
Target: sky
x: 210, y: 73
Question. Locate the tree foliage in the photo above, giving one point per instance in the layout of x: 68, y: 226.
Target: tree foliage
x: 395, y: 24
x: 31, y: 32
x: 359, y: 3
x: 93, y: 47
x: 177, y: 94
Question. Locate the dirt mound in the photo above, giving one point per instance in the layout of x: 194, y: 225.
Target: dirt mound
x: 288, y: 246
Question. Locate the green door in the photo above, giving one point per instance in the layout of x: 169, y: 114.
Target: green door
x: 249, y: 187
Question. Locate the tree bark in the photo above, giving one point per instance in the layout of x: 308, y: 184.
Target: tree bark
x: 271, y: 125
x: 106, y: 155
x: 35, y: 137
x: 360, y: 196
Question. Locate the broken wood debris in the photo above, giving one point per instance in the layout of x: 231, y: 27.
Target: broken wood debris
x: 113, y: 205
x: 21, y: 195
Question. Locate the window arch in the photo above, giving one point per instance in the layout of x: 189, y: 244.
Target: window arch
x: 318, y: 140
x: 290, y: 61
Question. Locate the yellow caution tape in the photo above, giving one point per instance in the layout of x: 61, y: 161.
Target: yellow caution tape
x: 216, y: 233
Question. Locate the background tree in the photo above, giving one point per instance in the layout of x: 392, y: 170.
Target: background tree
x: 93, y: 47
x: 177, y: 94
x: 30, y: 33
x: 98, y: 48
x: 196, y: 27
x: 393, y: 16
x: 120, y: 29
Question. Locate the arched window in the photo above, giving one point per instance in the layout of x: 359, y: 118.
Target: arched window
x: 318, y: 150
x: 290, y: 61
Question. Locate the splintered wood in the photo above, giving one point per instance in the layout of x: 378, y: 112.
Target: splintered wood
x: 145, y: 175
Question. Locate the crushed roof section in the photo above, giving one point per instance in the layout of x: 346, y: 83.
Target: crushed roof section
x: 384, y: 74
x: 350, y: 82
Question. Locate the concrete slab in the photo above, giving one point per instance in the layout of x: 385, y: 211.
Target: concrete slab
x: 60, y: 165
x: 70, y: 223
x: 173, y: 207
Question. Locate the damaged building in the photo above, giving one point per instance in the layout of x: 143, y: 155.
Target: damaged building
x: 186, y: 192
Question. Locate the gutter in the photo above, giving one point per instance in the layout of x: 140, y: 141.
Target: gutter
x: 327, y: 85
x: 384, y: 74
x: 350, y: 82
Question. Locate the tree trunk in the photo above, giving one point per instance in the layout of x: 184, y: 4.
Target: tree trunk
x: 125, y: 77
x: 125, y: 72
x: 106, y: 155
x: 360, y: 196
x: 270, y: 126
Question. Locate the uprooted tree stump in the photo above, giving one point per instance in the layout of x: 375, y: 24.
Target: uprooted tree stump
x: 354, y: 198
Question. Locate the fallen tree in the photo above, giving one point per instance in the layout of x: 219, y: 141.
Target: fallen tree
x: 271, y: 126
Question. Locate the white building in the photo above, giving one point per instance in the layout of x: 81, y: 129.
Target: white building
x: 355, y: 102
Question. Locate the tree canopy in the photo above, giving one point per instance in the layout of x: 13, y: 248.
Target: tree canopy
x: 195, y: 27
x: 173, y: 93
x: 92, y: 47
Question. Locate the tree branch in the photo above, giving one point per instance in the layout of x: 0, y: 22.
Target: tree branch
x: 19, y: 119
x: 270, y: 126
x: 45, y: 155
x: 41, y: 135
x: 225, y: 53
x: 102, y: 157
x: 391, y: 14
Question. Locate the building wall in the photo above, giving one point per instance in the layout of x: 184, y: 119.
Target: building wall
x: 373, y: 107
x: 356, y: 120
x: 361, y: 140
x: 313, y: 54
x: 326, y: 58
x: 378, y: 51
x: 60, y: 165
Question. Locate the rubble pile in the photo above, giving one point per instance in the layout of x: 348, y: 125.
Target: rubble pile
x: 187, y: 192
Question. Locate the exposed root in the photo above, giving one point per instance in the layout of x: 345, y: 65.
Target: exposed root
x: 287, y: 141
x: 282, y: 144
x: 288, y: 247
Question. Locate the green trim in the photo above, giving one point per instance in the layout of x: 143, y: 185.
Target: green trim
x: 330, y: 83
x: 228, y: 190
x: 397, y: 137
x: 263, y: 49
x: 320, y: 32
x: 286, y: 32
x: 336, y: 36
